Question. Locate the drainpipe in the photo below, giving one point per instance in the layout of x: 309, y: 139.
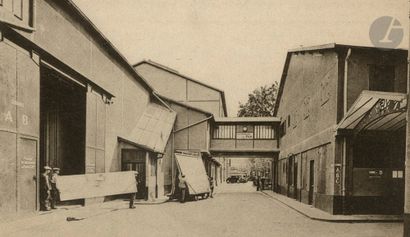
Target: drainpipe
x: 344, y: 148
x: 349, y: 52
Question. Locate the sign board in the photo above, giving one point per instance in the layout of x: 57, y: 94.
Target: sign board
x: 194, y: 170
x: 244, y: 135
x: 375, y: 174
x: 96, y: 185
x: 338, y: 174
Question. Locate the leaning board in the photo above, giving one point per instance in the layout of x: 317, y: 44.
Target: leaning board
x: 194, y: 170
x: 96, y: 185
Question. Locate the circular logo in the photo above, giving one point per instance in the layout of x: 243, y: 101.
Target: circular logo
x: 386, y: 32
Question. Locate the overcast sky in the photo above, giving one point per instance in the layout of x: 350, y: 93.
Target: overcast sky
x: 234, y: 45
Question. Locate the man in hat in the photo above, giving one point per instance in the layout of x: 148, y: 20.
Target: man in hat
x: 55, y: 192
x: 211, y: 186
x: 133, y: 195
x: 182, y: 187
x: 45, y: 188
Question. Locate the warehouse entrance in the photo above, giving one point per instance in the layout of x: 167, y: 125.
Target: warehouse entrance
x: 135, y: 159
x: 62, y: 123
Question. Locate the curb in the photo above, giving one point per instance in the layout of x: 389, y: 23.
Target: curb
x: 334, y: 220
x: 151, y: 203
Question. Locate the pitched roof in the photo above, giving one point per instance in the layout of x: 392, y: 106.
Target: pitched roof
x: 246, y: 119
x: 175, y: 72
x: 183, y: 104
x: 330, y: 46
x: 89, y: 26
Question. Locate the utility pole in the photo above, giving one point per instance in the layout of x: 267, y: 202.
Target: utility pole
x: 406, y: 216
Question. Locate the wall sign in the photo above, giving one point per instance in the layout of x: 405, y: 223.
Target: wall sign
x: 338, y: 174
x: 244, y: 135
x: 375, y: 174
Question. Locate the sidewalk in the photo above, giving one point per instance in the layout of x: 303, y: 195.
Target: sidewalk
x: 63, y: 214
x: 317, y: 214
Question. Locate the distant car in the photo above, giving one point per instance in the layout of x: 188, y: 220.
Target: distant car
x: 232, y: 179
x: 242, y: 180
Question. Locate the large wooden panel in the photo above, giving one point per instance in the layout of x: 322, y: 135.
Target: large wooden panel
x: 96, y: 185
x: 99, y: 161
x: 27, y: 169
x: 91, y: 119
x: 28, y: 95
x: 100, y: 123
x: 95, y: 133
x: 7, y: 172
x: 8, y: 116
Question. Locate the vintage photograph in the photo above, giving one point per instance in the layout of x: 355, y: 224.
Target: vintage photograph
x: 200, y: 118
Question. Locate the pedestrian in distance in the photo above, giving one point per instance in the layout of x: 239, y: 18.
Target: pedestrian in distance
x: 258, y: 182
x: 55, y: 192
x: 211, y: 186
x: 45, y: 189
x: 182, y: 187
x: 133, y: 195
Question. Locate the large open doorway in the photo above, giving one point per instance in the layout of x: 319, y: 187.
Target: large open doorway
x: 62, y: 124
x: 311, y: 181
x: 135, y: 159
x: 378, y: 172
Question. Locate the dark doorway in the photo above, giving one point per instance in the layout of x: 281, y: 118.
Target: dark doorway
x: 311, y: 181
x: 134, y: 159
x: 62, y: 124
x: 295, y: 179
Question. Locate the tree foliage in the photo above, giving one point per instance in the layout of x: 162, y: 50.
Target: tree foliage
x: 261, y: 102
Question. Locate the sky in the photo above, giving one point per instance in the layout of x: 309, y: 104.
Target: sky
x: 234, y: 45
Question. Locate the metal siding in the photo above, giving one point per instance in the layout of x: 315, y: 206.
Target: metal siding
x: 28, y: 96
x: 8, y: 148
x: 95, y: 133
x: 8, y: 87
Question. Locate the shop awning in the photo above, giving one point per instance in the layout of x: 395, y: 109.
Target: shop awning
x: 154, y: 127
x: 194, y: 170
x: 375, y: 110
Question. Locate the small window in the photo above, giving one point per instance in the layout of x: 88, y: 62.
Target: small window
x: 18, y: 8
x: 18, y: 13
x: 264, y: 132
x: 381, y: 78
x: 289, y: 120
x: 283, y: 128
x: 224, y: 132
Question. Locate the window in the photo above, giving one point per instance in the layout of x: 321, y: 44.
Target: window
x: 289, y: 121
x: 381, y: 78
x: 18, y: 13
x: 264, y: 132
x: 153, y: 164
x: 18, y: 8
x: 224, y: 132
x: 283, y: 128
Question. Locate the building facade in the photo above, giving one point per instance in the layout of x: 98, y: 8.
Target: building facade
x: 69, y: 99
x: 196, y: 105
x: 327, y: 158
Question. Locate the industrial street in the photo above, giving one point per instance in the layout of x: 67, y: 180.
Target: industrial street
x: 236, y: 210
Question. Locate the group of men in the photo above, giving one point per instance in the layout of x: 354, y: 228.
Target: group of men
x: 49, y: 188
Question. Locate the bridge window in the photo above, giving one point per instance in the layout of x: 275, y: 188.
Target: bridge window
x: 224, y: 132
x: 264, y: 132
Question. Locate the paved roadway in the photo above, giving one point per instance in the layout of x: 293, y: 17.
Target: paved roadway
x: 236, y: 210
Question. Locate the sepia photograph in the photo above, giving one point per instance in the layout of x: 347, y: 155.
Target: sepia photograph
x: 190, y: 118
